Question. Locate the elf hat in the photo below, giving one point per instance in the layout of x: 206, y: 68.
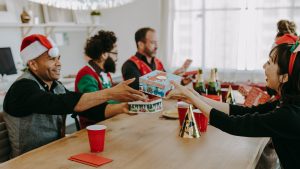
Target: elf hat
x: 35, y: 45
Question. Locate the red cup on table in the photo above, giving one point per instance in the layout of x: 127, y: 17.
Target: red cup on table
x: 96, y: 134
x: 201, y: 120
x: 213, y: 97
x: 182, y: 109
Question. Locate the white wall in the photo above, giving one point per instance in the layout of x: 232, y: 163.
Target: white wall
x: 124, y: 21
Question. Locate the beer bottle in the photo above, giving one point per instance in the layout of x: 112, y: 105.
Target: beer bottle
x: 200, y: 85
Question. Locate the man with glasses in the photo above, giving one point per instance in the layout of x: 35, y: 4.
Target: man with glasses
x: 145, y: 60
x: 102, y: 51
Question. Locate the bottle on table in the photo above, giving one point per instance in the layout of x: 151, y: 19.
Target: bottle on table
x: 212, y: 88
x: 200, y: 85
x: 218, y: 82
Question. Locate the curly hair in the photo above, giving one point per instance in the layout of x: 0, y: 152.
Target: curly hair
x: 286, y: 27
x: 100, y: 43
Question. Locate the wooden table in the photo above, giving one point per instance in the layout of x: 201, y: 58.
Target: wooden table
x: 147, y: 141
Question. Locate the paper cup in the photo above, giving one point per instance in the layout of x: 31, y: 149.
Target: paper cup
x: 182, y: 109
x: 96, y: 134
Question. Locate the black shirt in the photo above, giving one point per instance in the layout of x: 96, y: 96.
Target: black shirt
x: 130, y: 70
x: 282, y: 124
x: 25, y: 97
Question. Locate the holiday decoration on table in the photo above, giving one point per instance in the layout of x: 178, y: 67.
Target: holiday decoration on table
x: 229, y: 97
x: 255, y: 97
x: 244, y: 89
x: 189, y: 128
x: 150, y: 106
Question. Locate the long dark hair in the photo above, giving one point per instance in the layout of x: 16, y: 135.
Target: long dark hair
x: 290, y: 89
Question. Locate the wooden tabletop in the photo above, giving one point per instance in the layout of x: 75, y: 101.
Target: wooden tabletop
x: 148, y: 141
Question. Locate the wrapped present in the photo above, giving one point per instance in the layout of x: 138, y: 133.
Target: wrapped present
x: 255, y: 97
x: 157, y: 83
x: 244, y: 89
x: 150, y: 106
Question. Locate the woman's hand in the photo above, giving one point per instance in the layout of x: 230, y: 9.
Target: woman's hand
x: 193, y: 91
x: 190, y: 96
x: 180, y: 93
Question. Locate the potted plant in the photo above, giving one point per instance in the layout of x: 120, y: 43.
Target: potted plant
x: 95, y: 14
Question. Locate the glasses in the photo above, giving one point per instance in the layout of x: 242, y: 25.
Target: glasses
x: 115, y: 56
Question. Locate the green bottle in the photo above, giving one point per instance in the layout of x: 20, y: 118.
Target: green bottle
x: 200, y: 86
x: 218, y: 82
x: 212, y: 83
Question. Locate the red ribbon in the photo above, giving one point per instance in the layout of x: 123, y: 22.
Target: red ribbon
x: 289, y: 39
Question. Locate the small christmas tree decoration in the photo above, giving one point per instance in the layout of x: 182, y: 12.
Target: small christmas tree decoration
x: 230, y: 98
x: 189, y: 127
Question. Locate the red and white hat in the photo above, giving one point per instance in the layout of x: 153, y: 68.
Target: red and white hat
x: 36, y: 44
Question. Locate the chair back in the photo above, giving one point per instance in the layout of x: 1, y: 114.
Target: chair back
x: 4, y: 142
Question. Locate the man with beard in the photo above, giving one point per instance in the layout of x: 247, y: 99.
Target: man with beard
x: 145, y: 60
x: 36, y: 104
x: 102, y: 51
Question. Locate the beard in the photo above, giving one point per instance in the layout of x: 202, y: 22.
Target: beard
x: 109, y: 65
x: 150, y: 53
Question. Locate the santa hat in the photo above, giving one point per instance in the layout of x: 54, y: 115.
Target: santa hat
x: 36, y: 44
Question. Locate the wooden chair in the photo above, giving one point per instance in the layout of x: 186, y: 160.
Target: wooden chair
x: 4, y: 142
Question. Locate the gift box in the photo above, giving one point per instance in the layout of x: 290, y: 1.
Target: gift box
x: 244, y: 89
x: 255, y: 97
x: 157, y: 83
x: 149, y: 106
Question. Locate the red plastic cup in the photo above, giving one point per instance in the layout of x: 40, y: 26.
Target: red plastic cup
x: 203, y: 122
x: 182, y: 109
x: 200, y: 119
x: 214, y: 97
x: 96, y: 135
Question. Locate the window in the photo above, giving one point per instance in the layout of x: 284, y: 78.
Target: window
x: 227, y: 34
